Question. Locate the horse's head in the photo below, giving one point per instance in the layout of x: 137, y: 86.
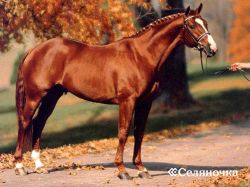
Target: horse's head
x: 196, y: 33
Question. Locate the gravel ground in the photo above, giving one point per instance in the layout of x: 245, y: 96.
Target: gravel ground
x: 222, y: 148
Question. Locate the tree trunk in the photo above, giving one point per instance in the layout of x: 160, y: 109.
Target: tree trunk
x: 175, y: 81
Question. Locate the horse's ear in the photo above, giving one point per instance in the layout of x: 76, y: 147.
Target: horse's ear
x: 187, y: 11
x: 199, y: 9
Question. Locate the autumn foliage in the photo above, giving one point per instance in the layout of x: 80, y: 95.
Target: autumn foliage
x: 91, y: 21
x: 239, y: 45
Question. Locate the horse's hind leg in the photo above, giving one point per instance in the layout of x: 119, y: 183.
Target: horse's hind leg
x: 24, y: 131
x: 47, y: 106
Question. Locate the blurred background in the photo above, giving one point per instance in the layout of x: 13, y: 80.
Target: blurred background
x: 189, y: 97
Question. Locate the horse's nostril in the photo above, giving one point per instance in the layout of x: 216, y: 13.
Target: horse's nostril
x: 211, y: 53
x: 212, y: 49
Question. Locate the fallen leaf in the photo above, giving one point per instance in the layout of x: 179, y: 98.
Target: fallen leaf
x: 2, y: 181
x: 73, y: 173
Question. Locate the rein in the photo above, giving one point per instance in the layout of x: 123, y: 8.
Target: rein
x: 220, y: 72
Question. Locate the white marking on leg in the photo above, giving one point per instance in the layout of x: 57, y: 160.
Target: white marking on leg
x: 144, y: 170
x: 35, y: 155
x: 19, y: 165
x: 211, y: 41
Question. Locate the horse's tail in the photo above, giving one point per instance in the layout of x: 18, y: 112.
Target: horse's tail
x: 20, y: 104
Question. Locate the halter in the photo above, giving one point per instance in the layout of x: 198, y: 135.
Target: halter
x: 198, y: 45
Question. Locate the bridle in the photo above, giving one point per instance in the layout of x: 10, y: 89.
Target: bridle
x: 198, y: 46
x: 197, y: 42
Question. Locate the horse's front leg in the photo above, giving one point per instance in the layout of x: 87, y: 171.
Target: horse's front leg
x: 125, y: 115
x: 140, y: 119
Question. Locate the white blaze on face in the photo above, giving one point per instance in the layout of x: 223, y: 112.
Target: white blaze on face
x: 35, y: 155
x: 211, y: 41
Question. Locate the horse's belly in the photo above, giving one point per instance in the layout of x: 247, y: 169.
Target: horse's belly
x: 100, y: 98
x: 97, y: 92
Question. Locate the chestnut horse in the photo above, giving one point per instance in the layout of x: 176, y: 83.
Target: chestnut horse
x: 125, y: 73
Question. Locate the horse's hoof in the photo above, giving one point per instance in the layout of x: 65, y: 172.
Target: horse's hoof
x: 144, y: 175
x: 21, y: 171
x: 41, y: 170
x: 124, y: 176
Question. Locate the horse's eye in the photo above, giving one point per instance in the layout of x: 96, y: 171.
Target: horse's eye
x: 192, y: 26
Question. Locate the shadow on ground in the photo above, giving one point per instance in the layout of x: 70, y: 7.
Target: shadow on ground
x: 157, y: 166
x: 218, y: 106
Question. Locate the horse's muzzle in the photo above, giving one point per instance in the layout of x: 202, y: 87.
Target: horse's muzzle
x: 209, y: 52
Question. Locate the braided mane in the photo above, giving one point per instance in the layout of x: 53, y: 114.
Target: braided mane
x: 171, y: 14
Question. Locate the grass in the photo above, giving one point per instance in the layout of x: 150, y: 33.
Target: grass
x: 77, y: 121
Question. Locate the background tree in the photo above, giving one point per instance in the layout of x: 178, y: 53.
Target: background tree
x: 91, y: 21
x: 174, y: 77
x: 175, y: 80
x: 240, y: 34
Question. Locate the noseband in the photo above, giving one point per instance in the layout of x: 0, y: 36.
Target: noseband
x: 197, y: 42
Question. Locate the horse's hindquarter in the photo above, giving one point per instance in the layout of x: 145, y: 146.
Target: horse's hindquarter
x: 44, y: 66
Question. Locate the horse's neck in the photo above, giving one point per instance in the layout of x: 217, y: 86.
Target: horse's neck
x: 161, y: 40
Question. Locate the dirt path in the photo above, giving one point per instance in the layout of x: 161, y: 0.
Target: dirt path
x: 226, y: 147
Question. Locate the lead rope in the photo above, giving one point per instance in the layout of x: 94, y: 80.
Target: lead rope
x: 220, y: 72
x: 243, y: 73
x: 202, y: 67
